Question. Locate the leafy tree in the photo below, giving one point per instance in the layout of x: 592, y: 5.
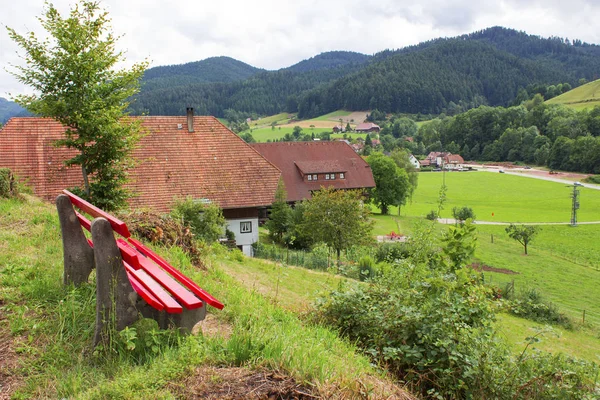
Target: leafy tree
x: 74, y: 77
x: 338, y: 218
x: 461, y: 214
x: 206, y: 221
x: 297, y: 132
x: 348, y: 127
x: 280, y: 218
x: 402, y: 159
x: 392, y: 186
x: 523, y: 234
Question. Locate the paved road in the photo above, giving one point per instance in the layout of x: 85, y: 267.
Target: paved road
x: 452, y: 221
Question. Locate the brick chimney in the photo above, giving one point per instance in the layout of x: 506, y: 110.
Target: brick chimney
x: 190, y: 119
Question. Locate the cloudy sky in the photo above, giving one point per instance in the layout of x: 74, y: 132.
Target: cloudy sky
x: 272, y: 34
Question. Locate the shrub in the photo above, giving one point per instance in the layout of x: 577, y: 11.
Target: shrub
x: 531, y: 305
x: 206, y: 221
x: 593, y: 179
x: 461, y: 214
x: 432, y: 215
x: 430, y: 323
x: 8, y: 184
x: 392, y: 251
x: 425, y: 169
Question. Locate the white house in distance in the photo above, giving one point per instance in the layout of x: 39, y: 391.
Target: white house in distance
x: 413, y: 160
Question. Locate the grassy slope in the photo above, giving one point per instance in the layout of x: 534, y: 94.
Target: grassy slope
x: 585, y: 96
x: 53, y: 326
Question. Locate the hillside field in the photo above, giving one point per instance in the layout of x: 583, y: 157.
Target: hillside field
x: 582, y: 97
x: 262, y: 129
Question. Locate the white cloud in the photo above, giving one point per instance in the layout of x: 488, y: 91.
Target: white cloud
x: 273, y: 34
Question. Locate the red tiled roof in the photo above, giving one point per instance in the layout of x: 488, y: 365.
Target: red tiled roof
x: 212, y: 163
x: 294, y: 157
x: 454, y: 159
x: 365, y: 126
x: 319, y: 166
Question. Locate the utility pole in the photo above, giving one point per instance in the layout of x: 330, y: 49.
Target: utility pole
x: 575, y: 203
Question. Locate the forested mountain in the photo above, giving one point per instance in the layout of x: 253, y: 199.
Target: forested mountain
x: 10, y: 109
x: 485, y: 67
x: 210, y: 70
x: 265, y: 93
x: 330, y: 59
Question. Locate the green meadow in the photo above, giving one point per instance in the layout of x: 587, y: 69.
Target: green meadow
x: 582, y: 97
x: 501, y: 198
x: 264, y: 134
x: 563, y: 263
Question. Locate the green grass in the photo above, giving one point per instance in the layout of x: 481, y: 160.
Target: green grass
x: 281, y: 118
x: 52, y: 325
x: 333, y: 116
x: 581, y: 344
x: 582, y: 97
x: 509, y: 198
x: 264, y: 134
x: 553, y: 266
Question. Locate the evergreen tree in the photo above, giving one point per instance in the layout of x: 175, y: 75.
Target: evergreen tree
x: 280, y: 219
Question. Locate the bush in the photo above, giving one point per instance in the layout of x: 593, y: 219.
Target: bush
x: 425, y: 169
x: 392, y: 251
x: 206, y: 221
x: 432, y: 215
x: 8, y: 184
x: 462, y: 214
x: 593, y: 179
x: 431, y: 324
x: 531, y: 305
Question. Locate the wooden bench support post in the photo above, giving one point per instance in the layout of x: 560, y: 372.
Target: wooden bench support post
x: 115, y: 297
x: 78, y: 255
x: 184, y: 321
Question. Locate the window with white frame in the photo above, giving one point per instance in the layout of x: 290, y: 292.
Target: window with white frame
x: 326, y: 177
x: 246, y: 227
x: 314, y: 177
x: 310, y: 177
x: 332, y: 176
x: 341, y: 175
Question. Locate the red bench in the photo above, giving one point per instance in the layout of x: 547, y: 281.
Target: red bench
x: 168, y: 296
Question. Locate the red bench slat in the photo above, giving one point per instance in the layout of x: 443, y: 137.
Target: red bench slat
x: 142, y: 291
x: 118, y: 226
x: 178, y: 291
x: 129, y: 255
x: 84, y: 221
x: 198, y: 291
x: 170, y: 304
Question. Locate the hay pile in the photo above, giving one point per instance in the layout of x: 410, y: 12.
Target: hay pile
x: 164, y: 230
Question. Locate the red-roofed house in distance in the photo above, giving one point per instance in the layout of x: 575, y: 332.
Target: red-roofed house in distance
x: 306, y: 166
x: 178, y: 157
x: 453, y: 162
x: 367, y: 127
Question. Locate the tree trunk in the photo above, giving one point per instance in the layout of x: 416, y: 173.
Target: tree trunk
x: 525, y: 245
x: 86, y: 182
x: 399, y: 206
x: 384, y: 209
x: 339, y: 251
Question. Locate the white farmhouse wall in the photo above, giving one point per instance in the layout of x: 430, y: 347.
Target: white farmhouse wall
x: 244, y: 239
